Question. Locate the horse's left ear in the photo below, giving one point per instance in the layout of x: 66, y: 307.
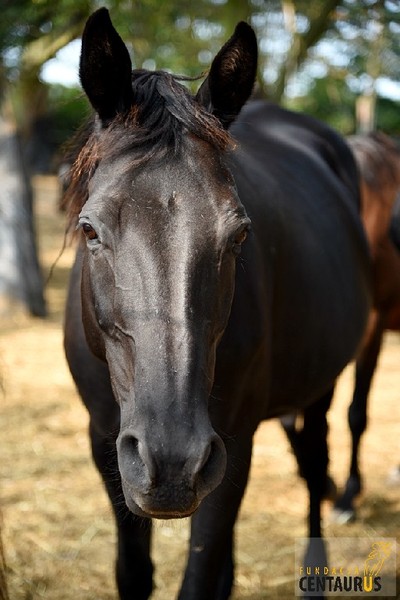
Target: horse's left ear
x: 232, y: 76
x: 105, y: 67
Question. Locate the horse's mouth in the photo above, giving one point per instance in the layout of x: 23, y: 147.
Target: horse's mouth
x: 158, y: 514
x: 169, y: 515
x: 149, y: 507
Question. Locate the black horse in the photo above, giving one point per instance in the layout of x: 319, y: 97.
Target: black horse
x: 181, y: 336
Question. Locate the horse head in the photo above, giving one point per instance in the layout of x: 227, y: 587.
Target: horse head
x: 162, y: 227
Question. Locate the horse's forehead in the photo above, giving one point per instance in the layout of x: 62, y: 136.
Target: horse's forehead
x: 189, y: 182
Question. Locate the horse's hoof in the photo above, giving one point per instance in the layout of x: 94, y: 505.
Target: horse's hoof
x: 342, y: 517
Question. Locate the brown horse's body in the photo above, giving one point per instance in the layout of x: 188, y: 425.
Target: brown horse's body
x: 378, y: 159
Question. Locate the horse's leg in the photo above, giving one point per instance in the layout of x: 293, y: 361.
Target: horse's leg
x: 314, y: 463
x: 134, y: 570
x: 209, y: 573
x: 357, y: 418
x: 289, y: 425
x: 294, y: 436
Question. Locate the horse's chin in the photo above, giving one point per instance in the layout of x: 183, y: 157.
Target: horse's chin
x: 162, y: 515
x: 145, y: 510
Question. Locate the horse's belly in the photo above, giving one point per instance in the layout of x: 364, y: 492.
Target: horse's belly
x: 310, y: 352
x: 288, y: 351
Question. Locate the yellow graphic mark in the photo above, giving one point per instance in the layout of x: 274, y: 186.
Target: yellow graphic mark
x: 373, y: 565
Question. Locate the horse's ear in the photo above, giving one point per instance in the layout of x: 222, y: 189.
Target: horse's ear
x: 232, y: 76
x: 105, y: 67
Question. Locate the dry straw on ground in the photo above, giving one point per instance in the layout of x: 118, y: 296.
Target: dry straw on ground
x: 57, y: 525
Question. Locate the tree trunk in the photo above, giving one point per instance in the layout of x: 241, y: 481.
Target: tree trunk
x: 20, y: 276
x: 301, y: 43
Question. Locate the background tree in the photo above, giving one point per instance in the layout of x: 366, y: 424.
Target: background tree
x: 20, y: 276
x: 316, y: 56
x: 357, y: 58
x: 30, y: 34
x: 301, y: 44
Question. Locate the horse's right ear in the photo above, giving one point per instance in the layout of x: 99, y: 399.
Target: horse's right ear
x: 105, y: 67
x: 232, y: 76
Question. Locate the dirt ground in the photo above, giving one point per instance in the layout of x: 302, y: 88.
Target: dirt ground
x: 57, y: 525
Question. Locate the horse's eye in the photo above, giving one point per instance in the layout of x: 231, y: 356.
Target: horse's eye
x: 238, y: 240
x: 241, y: 236
x: 89, y: 231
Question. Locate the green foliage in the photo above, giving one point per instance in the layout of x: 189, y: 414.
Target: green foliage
x: 388, y: 116
x: 180, y: 36
x: 331, y: 101
x: 68, y: 108
x: 24, y: 21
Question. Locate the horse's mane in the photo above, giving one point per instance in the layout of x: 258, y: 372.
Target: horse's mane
x: 378, y: 159
x: 154, y: 127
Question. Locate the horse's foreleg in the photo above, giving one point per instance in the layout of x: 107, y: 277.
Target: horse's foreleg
x: 314, y: 461
x: 295, y: 438
x: 289, y: 424
x: 315, y: 458
x: 209, y: 573
x: 134, y: 570
x: 357, y: 418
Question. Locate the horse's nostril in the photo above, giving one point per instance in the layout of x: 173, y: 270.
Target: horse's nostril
x: 212, y: 467
x: 135, y: 462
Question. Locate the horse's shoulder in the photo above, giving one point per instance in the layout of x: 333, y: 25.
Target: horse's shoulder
x: 268, y: 117
x: 283, y: 131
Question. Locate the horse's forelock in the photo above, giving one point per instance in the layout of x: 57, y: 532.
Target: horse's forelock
x: 162, y: 112
x: 83, y: 166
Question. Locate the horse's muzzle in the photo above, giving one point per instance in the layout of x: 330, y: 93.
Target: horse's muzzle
x: 166, y: 481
